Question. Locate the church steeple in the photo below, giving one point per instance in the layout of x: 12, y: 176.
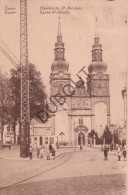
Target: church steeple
x: 96, y: 47
x: 59, y: 63
x: 59, y: 45
x: 59, y: 30
x: 97, y: 64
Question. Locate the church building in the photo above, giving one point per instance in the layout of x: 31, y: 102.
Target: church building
x: 85, y: 105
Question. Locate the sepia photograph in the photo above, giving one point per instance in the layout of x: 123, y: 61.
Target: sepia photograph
x: 63, y: 97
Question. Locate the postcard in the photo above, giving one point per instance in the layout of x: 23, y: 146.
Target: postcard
x: 63, y: 97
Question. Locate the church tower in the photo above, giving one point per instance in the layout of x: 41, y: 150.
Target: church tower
x: 59, y: 90
x: 59, y: 70
x: 98, y: 83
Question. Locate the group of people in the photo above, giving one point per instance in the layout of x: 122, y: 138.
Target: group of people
x: 120, y: 151
x: 43, y: 151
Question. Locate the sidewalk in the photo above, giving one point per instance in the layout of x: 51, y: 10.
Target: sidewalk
x: 14, y: 153
x: 19, y: 171
x: 16, y: 169
x: 98, y: 147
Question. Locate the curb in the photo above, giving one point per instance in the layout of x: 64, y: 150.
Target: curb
x: 28, y: 159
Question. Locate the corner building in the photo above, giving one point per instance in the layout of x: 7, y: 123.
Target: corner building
x: 85, y: 109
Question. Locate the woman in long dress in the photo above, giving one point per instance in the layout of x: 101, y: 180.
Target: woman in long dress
x: 119, y: 152
x: 124, y: 152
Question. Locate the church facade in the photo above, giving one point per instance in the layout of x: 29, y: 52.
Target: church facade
x: 79, y: 107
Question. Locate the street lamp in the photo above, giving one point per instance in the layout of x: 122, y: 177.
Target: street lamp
x: 119, y: 133
x: 104, y: 139
x: 124, y: 95
x: 57, y: 142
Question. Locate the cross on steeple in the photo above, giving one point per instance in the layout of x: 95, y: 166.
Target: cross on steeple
x: 96, y: 28
x: 59, y: 27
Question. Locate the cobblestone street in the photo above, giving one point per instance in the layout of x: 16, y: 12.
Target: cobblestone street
x: 88, y: 185
x: 77, y: 172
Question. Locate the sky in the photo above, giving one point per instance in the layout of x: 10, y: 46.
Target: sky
x: 78, y: 30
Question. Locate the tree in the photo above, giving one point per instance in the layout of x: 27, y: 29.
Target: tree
x: 115, y: 136
x: 5, y: 103
x: 38, y: 97
x: 107, y: 135
x: 15, y: 94
x: 93, y: 134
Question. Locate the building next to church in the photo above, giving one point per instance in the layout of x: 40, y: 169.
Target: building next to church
x: 87, y: 107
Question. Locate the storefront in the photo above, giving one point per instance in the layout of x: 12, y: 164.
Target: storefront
x: 40, y: 136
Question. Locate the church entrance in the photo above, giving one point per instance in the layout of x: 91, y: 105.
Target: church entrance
x: 81, y: 139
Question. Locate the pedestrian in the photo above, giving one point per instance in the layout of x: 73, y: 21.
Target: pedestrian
x: 80, y: 147
x: 38, y: 152
x: 124, y: 152
x: 9, y: 146
x: 111, y: 146
x: 53, y: 153
x: 105, y: 149
x: 41, y: 152
x: 50, y: 147
x: 48, y: 154
x: 30, y: 152
x: 119, y: 152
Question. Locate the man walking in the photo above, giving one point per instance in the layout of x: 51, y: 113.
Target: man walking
x: 30, y: 152
x: 105, y: 152
x: 50, y: 147
x: 124, y: 152
x: 53, y: 153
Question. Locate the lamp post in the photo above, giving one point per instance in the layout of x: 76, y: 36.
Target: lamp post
x: 57, y: 145
x: 104, y: 139
x: 124, y: 95
x: 119, y: 134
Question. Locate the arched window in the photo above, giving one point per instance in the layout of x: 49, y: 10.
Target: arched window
x: 100, y: 89
x: 80, y: 121
x: 60, y: 89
